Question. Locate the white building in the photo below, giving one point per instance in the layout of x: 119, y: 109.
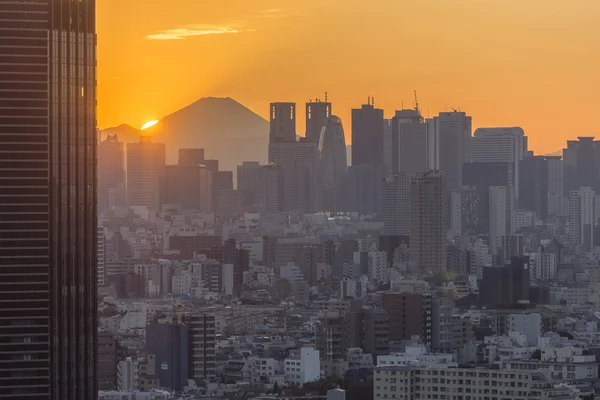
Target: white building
x: 528, y: 324
x: 417, y: 355
x: 227, y: 279
x: 582, y: 215
x: 304, y: 368
x: 542, y: 266
x: 355, y: 288
x: 291, y: 272
x: 523, y: 219
x: 377, y: 266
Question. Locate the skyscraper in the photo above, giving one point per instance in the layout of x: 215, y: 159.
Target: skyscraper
x: 145, y: 173
x: 582, y: 213
x: 409, y: 143
x: 191, y: 157
x: 317, y: 115
x: 363, y: 188
x: 48, y: 139
x: 396, y: 205
x: 111, y: 173
x: 428, y: 221
x: 449, y: 143
x: 248, y: 178
x: 501, y: 208
x: 269, y: 190
x: 367, y: 135
x: 190, y: 186
x: 500, y: 145
x: 555, y: 184
x: 333, y: 163
x: 533, y: 182
x: 283, y: 123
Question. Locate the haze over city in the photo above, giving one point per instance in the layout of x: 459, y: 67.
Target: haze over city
x: 507, y: 63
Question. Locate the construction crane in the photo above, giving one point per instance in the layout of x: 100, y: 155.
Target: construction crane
x: 416, y: 101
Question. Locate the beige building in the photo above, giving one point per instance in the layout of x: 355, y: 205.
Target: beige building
x: 145, y: 172
x: 407, y: 383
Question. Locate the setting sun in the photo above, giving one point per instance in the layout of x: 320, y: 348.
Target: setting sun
x: 149, y: 124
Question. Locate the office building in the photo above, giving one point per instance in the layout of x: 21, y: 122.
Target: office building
x: 303, y: 368
x: 505, y: 285
x: 107, y: 361
x: 396, y: 204
x: 367, y: 135
x: 201, y: 346
x: 428, y: 221
x: 222, y: 184
x: 363, y: 189
x: 190, y: 186
x: 330, y: 335
x: 555, y: 185
x: 333, y: 164
x: 543, y: 266
x: 533, y: 182
x: 409, y: 315
x: 501, y: 208
x: 449, y: 143
x: 145, y: 173
x: 48, y: 151
x: 582, y: 214
x: 169, y: 344
x: 375, y: 332
x: 270, y: 189
x: 191, y: 157
x: 317, y: 115
x: 506, y: 145
x: 300, y: 168
x: 408, y: 145
x: 248, y: 178
x: 111, y: 174
x: 282, y: 123
x: 580, y: 164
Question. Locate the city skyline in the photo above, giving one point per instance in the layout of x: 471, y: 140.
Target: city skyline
x: 514, y: 77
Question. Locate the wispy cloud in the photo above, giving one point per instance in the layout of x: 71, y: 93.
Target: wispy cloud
x: 239, y: 26
x: 193, y: 30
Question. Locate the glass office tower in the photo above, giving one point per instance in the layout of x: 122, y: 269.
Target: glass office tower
x: 47, y: 200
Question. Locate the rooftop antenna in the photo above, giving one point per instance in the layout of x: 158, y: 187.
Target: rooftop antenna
x: 416, y: 101
x: 373, y: 101
x: 325, y: 97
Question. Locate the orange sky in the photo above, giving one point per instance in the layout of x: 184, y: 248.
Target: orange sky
x: 533, y: 63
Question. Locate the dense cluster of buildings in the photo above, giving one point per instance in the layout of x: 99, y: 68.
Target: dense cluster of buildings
x: 438, y: 263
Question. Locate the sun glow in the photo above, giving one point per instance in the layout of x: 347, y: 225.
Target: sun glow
x: 149, y: 124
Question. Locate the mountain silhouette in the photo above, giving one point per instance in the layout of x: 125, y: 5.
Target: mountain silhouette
x: 225, y: 129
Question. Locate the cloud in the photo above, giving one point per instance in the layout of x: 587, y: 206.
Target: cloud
x: 194, y: 30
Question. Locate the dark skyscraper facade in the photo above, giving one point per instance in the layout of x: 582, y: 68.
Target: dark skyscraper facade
x: 333, y: 163
x: 367, y: 136
x: 317, y: 114
x: 282, y: 123
x: 111, y: 173
x: 48, y: 330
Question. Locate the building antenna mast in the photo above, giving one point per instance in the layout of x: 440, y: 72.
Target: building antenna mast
x: 416, y: 101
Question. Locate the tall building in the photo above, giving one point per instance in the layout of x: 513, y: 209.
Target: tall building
x: 367, y: 135
x: 107, y: 361
x: 191, y: 157
x: 409, y: 315
x: 222, y: 183
x: 449, y: 143
x: 508, y: 284
x: 48, y: 150
x: 145, y: 173
x: 396, y: 205
x: 248, y: 178
x: 555, y: 184
x: 101, y: 256
x: 283, y: 123
x: 317, y: 115
x: 533, y: 182
x: 428, y: 221
x: 501, y: 209
x: 269, y: 191
x: 169, y: 344
x: 507, y: 145
x: 363, y: 189
x: 190, y: 186
x: 333, y: 163
x: 580, y: 164
x: 201, y: 346
x: 299, y: 162
x: 111, y: 174
x: 408, y: 143
x: 582, y: 212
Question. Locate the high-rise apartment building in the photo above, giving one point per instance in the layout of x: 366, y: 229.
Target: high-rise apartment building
x: 283, y: 123
x: 409, y: 315
x: 555, y: 185
x: 145, y: 173
x: 101, y: 256
x: 333, y: 164
x: 317, y: 114
x: 48, y: 149
x: 299, y: 162
x: 367, y: 135
x: 449, y: 144
x: 201, y: 346
x: 270, y: 189
x: 408, y: 145
x: 111, y: 173
x: 396, y: 204
x: 248, y: 178
x: 107, y: 361
x: 582, y: 213
x: 428, y: 221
